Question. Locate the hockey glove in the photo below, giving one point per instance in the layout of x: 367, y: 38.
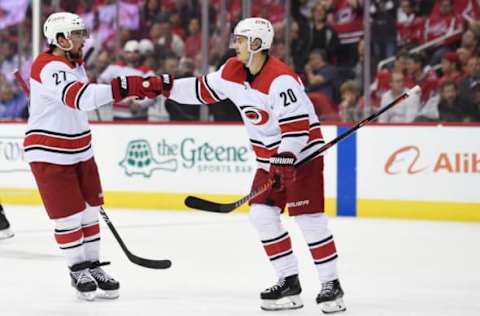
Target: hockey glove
x: 151, y: 87
x: 282, y: 169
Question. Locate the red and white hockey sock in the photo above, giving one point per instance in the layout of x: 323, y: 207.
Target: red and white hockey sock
x: 275, y: 239
x: 69, y: 236
x: 321, y: 244
x: 91, y: 233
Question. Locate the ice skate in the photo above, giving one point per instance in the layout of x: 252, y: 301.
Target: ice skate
x: 5, y: 231
x: 108, y: 286
x: 82, y: 281
x: 283, y: 296
x: 330, y: 298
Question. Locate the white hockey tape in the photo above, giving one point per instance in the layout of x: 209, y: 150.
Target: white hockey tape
x: 415, y: 90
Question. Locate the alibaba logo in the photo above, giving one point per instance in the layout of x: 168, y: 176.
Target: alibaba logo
x: 404, y: 158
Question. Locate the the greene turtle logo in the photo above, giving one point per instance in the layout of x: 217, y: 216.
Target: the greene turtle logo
x: 139, y: 160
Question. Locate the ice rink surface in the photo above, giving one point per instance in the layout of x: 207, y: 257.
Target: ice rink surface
x: 387, y: 267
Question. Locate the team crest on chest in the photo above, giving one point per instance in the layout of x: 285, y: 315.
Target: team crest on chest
x: 255, y: 115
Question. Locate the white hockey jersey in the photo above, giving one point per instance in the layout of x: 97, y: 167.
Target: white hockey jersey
x: 60, y: 94
x: 277, y: 113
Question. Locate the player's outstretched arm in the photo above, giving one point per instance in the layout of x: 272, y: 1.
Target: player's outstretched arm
x: 206, y: 89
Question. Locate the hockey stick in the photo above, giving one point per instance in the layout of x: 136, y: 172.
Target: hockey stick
x: 147, y: 263
x: 210, y: 206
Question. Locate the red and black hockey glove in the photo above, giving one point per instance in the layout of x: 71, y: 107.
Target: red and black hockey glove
x: 151, y: 87
x: 282, y: 169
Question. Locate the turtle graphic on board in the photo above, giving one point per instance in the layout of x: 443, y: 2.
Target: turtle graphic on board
x: 139, y: 160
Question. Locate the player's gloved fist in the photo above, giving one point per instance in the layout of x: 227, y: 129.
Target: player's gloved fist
x: 151, y: 87
x: 161, y: 84
x: 282, y: 169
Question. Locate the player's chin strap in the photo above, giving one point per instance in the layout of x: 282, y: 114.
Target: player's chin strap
x: 69, y: 48
x: 251, y: 52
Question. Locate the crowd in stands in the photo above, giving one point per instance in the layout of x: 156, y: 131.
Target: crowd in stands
x: 327, y: 49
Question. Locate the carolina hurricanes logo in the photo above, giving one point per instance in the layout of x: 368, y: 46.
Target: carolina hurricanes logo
x: 255, y: 116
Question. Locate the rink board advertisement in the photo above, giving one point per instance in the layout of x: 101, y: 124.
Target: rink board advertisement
x: 156, y: 165
x: 390, y: 171
x: 419, y: 171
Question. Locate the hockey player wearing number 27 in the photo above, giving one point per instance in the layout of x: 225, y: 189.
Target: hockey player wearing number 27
x: 284, y: 133
x: 58, y: 147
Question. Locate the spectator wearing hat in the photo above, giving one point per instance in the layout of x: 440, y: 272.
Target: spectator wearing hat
x: 147, y: 56
x: 420, y: 73
x: 451, y: 68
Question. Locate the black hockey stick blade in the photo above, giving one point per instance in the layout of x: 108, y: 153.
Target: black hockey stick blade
x: 209, y: 206
x: 147, y: 263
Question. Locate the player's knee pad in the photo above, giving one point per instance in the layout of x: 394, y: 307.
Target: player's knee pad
x: 265, y: 217
x: 90, y: 214
x: 316, y: 224
x: 69, y: 222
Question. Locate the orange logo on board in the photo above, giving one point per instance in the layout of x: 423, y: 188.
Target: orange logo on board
x: 407, y: 160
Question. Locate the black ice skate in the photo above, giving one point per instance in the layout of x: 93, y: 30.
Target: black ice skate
x: 5, y: 231
x: 283, y: 295
x: 82, y: 281
x: 330, y: 298
x: 108, y: 285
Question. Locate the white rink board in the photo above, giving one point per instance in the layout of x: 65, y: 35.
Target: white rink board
x: 215, y: 159
x: 419, y: 163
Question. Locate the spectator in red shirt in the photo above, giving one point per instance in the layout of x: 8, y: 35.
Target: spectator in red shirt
x: 348, y: 23
x: 381, y: 84
x: 193, y: 43
x: 409, y: 26
x: 441, y: 22
x: 451, y: 68
x: 422, y: 74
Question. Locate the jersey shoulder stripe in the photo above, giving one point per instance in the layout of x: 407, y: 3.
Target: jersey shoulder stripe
x: 273, y: 69
x: 235, y: 71
x: 44, y: 59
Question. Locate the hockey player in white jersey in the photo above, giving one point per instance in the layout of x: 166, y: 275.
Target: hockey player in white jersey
x: 58, y: 147
x: 284, y: 132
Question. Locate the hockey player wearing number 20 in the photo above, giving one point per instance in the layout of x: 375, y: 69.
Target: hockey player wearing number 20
x: 284, y: 133
x: 58, y: 147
